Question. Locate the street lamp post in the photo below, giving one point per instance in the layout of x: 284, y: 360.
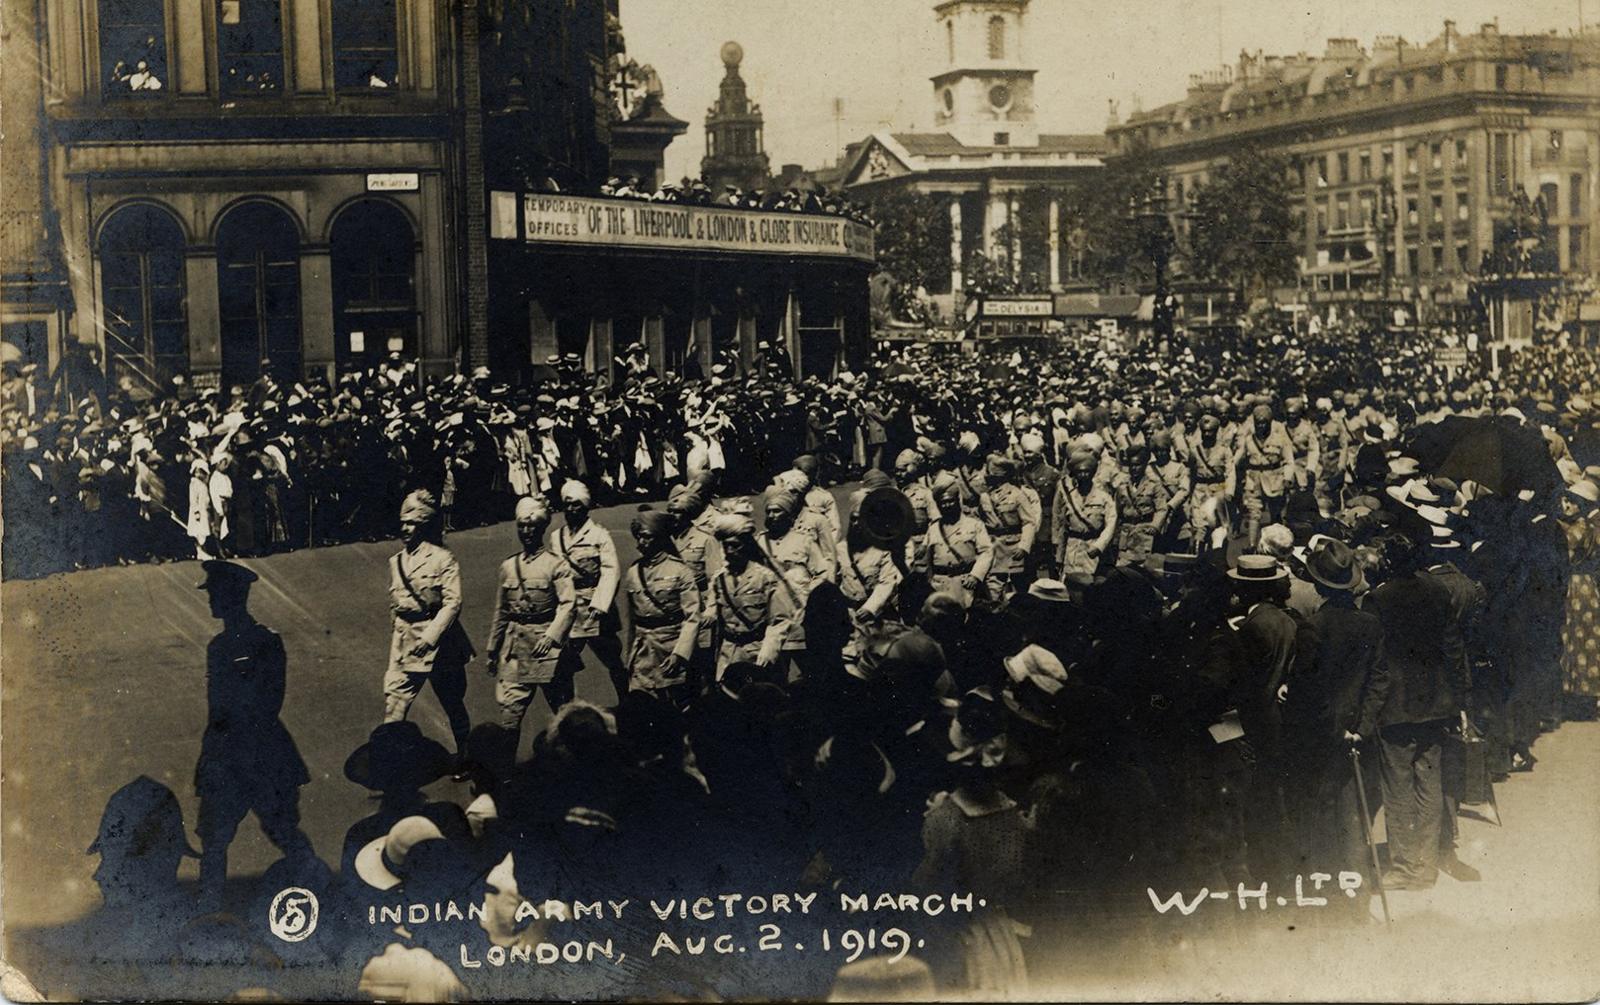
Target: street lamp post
x: 1149, y: 216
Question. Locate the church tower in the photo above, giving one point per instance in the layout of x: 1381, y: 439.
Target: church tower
x: 984, y: 95
x: 734, y: 149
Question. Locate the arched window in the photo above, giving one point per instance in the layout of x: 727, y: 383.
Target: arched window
x: 250, y: 46
x: 141, y: 291
x: 133, y: 47
x: 365, y: 51
x: 950, y: 40
x: 258, y: 289
x: 374, y: 297
x: 997, y: 37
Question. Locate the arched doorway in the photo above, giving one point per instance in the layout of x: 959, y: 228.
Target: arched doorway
x: 374, y: 290
x: 258, y: 287
x: 142, y: 293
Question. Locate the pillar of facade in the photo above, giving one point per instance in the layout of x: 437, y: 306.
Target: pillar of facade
x: 955, y: 244
x: 316, y: 310
x: 702, y: 341
x: 747, y: 339
x: 994, y: 217
x: 1014, y: 218
x: 598, y: 354
x: 189, y: 48
x: 655, y: 341
x: 790, y: 330
x: 307, y: 27
x: 542, y: 342
x: 1054, y: 243
x: 203, y: 308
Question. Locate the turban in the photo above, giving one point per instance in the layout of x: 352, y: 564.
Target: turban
x: 1081, y: 456
x: 679, y: 494
x: 793, y: 480
x: 875, y: 479
x: 1032, y: 443
x: 784, y: 500
x: 1261, y: 413
x: 419, y: 505
x: 532, y: 508
x: 945, y: 486
x: 906, y: 458
x: 807, y: 465
x: 968, y: 441
x: 655, y: 522
x: 731, y: 525
x: 573, y: 490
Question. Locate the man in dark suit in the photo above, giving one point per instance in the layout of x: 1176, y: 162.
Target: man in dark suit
x: 1467, y: 602
x: 1267, y: 634
x: 1428, y: 689
x: 1340, y: 684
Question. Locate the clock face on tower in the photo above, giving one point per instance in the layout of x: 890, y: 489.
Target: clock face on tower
x: 999, y: 96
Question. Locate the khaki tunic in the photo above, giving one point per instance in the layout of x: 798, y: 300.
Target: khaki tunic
x: 800, y: 560
x: 1268, y: 462
x: 595, y: 570
x: 424, y: 601
x: 1139, y: 503
x: 700, y: 550
x: 1306, y: 439
x: 534, y: 598
x: 1081, y: 520
x: 664, y: 604
x: 751, y: 612
x: 1012, y: 514
x: 957, y: 550
x: 1211, y: 474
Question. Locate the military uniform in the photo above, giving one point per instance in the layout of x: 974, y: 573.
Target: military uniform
x: 955, y: 551
x: 820, y: 502
x: 1081, y: 520
x: 425, y: 600
x: 1211, y: 474
x: 799, y: 558
x: 664, y: 601
x: 1307, y: 442
x: 750, y: 613
x: 972, y: 483
x: 1141, y: 501
x: 870, y: 581
x: 534, y: 598
x: 592, y: 556
x: 1012, y: 514
x: 1333, y: 443
x: 1175, y: 481
x: 923, y: 509
x: 1042, y: 478
x: 1268, y: 464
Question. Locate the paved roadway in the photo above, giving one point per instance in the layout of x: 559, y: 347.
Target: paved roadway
x: 104, y: 680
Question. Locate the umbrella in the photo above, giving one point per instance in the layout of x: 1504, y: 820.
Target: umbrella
x: 1495, y: 451
x: 898, y: 370
x: 543, y: 374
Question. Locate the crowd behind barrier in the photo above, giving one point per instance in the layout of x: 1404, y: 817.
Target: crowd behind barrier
x: 1258, y: 600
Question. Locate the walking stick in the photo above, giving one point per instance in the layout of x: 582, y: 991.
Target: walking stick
x: 1366, y: 830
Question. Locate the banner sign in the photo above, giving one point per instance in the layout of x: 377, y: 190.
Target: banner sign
x: 624, y: 223
x: 1447, y: 357
x: 1038, y: 307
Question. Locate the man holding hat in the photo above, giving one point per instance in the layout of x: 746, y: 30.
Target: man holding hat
x: 663, y: 606
x: 534, y: 606
x: 591, y: 554
x: 428, y: 644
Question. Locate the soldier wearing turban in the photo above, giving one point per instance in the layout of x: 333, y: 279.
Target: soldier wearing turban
x: 533, y: 611
x: 428, y: 644
x: 661, y: 599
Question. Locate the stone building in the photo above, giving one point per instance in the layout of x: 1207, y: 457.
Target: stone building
x: 735, y: 143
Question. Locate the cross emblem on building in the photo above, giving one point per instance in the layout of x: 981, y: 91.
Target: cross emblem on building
x: 626, y: 90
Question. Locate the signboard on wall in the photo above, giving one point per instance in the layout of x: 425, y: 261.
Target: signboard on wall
x: 394, y: 181
x: 622, y: 223
x: 1027, y: 307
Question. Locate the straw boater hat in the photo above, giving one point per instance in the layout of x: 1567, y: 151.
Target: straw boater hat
x: 1258, y: 569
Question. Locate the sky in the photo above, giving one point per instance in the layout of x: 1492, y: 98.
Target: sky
x: 877, y: 55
